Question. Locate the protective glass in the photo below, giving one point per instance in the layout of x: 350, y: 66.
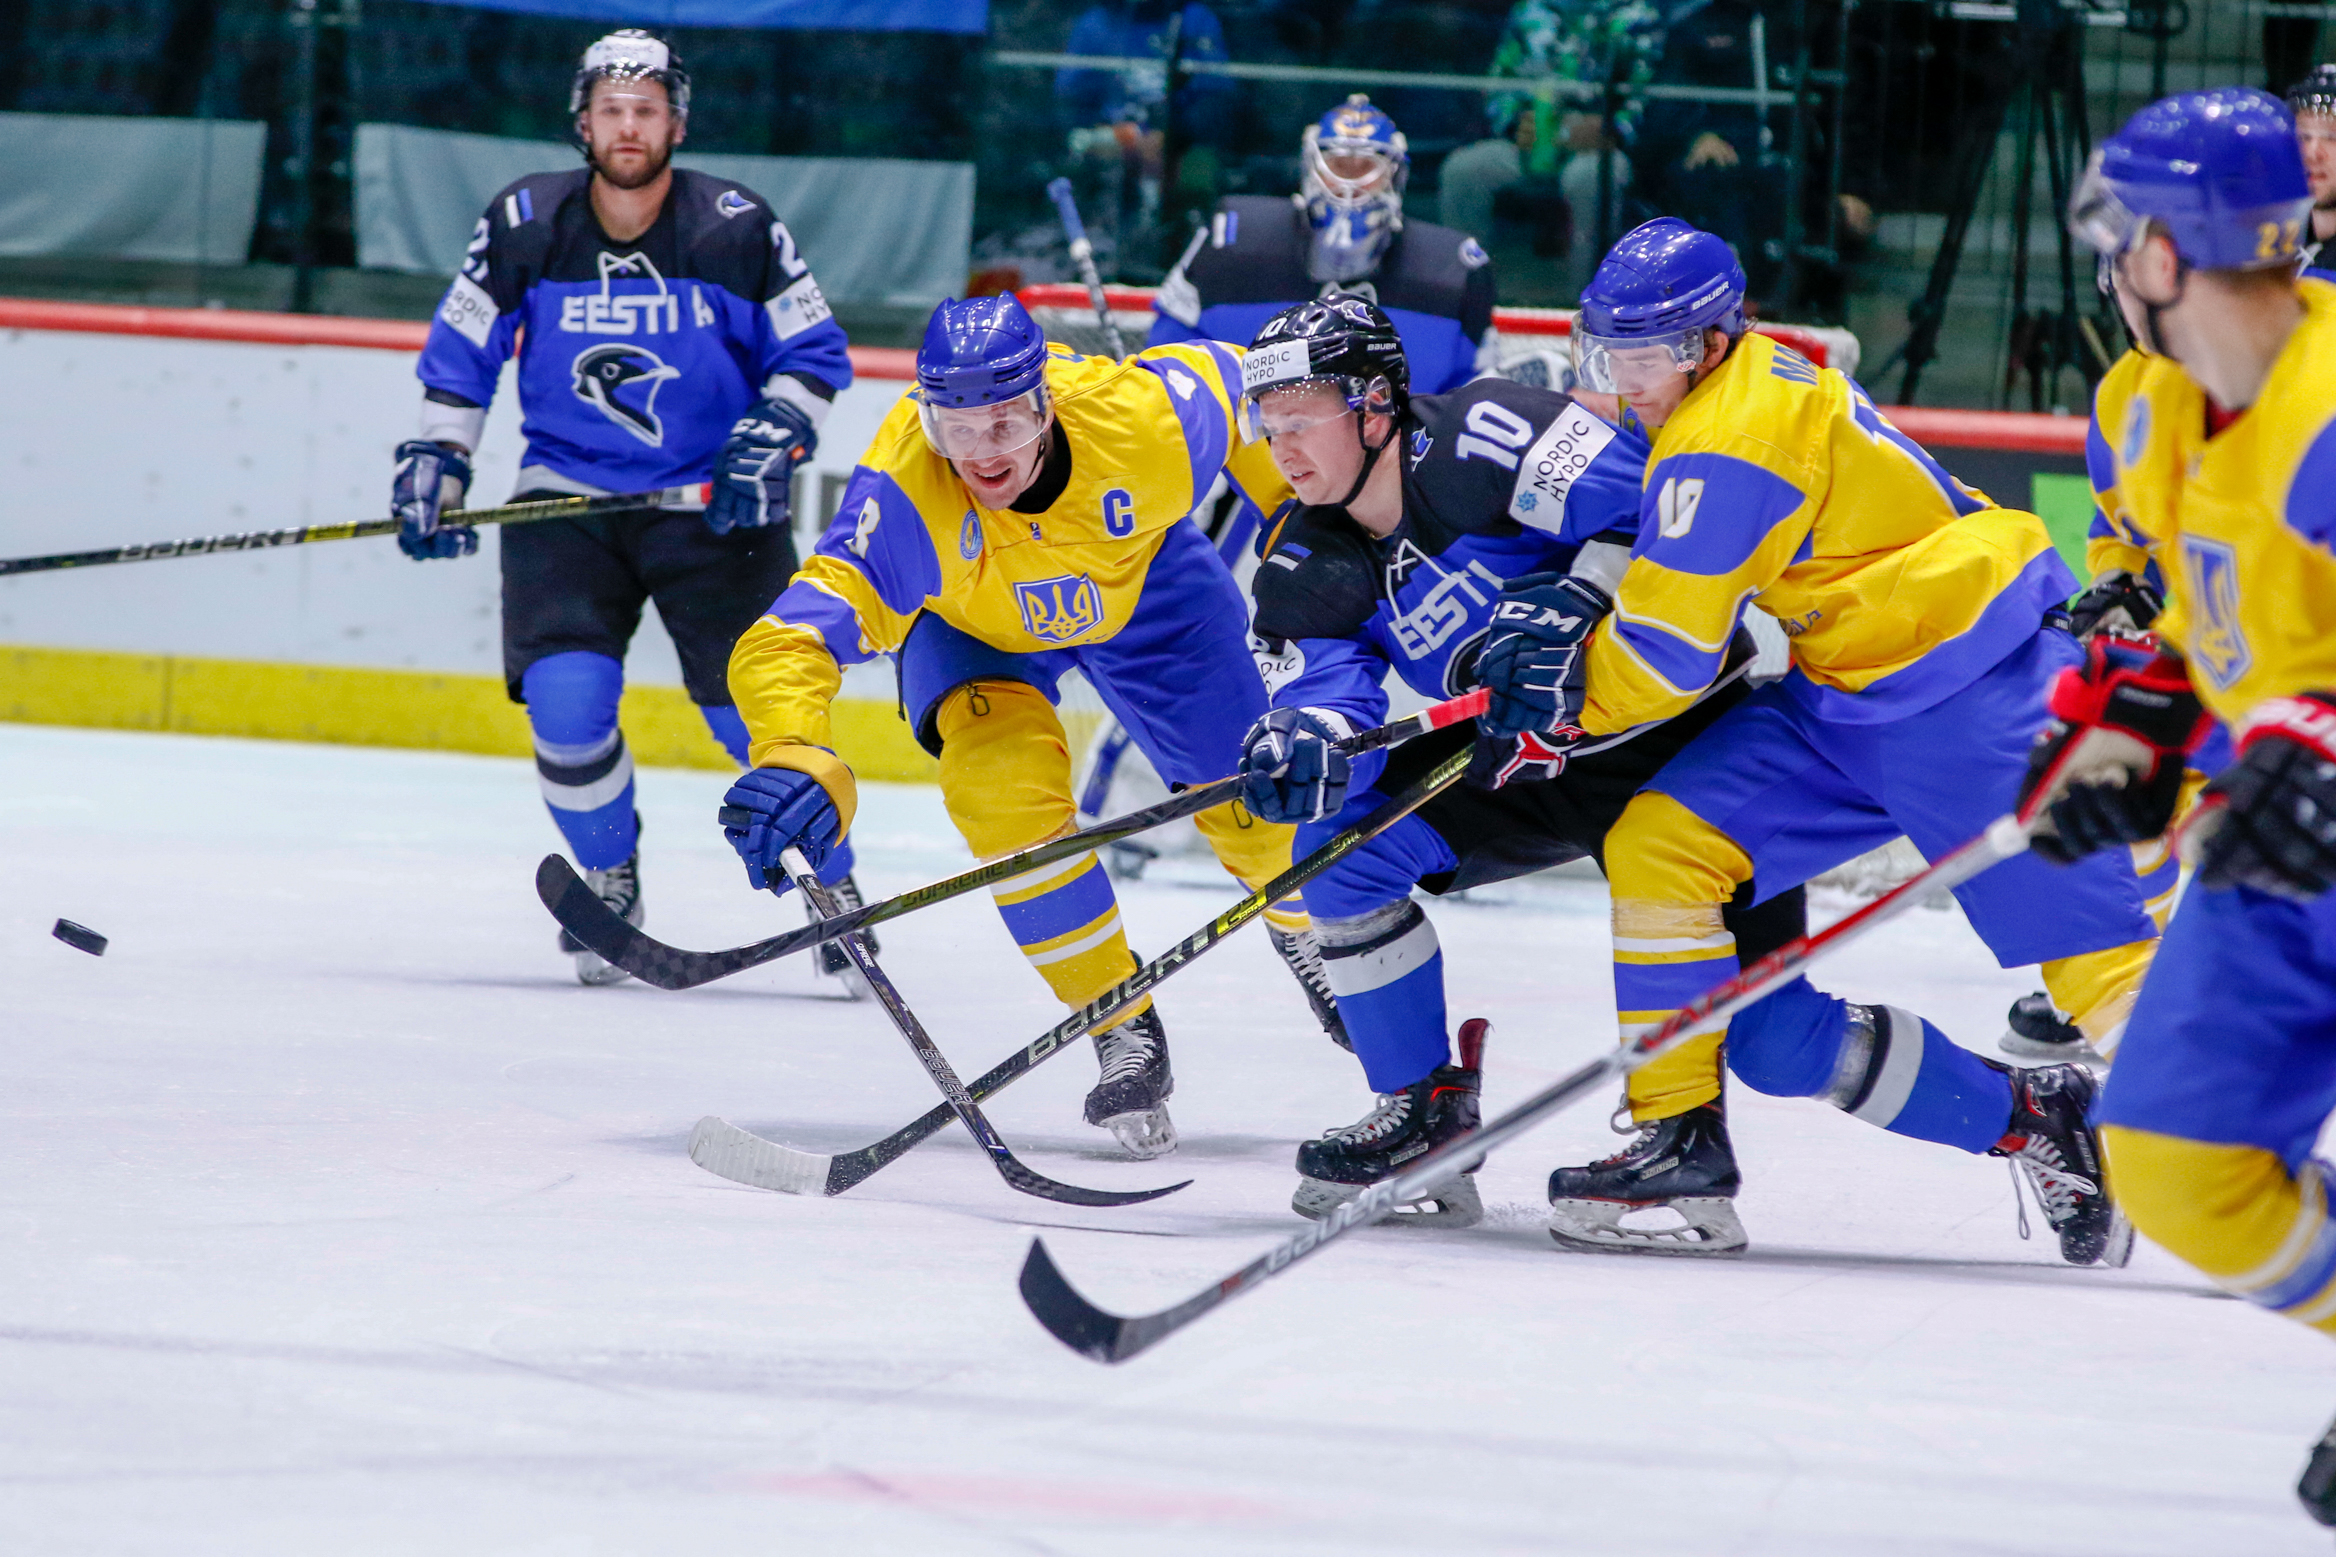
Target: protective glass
x: 1292, y: 408
x: 983, y: 432
x: 1622, y: 365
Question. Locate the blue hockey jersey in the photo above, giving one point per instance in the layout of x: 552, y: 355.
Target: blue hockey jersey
x: 1499, y: 480
x: 1434, y: 282
x: 634, y: 358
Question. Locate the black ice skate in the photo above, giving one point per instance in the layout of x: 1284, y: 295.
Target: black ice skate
x: 833, y: 960
x: 1680, y: 1170
x: 619, y: 887
x: 2316, y: 1488
x: 1131, y: 1096
x: 2052, y: 1145
x: 2036, y: 1032
x: 1304, y: 960
x: 1408, y: 1124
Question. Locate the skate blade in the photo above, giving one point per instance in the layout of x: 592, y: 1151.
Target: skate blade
x: 1143, y: 1135
x: 1455, y: 1204
x: 596, y: 971
x: 1707, y: 1227
x: 2118, y: 1252
x: 2020, y: 1046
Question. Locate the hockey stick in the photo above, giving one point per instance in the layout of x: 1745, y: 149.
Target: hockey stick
x: 651, y: 961
x: 944, y: 1076
x: 1109, y: 1337
x: 1083, y: 256
x: 721, y: 1147
x: 261, y: 540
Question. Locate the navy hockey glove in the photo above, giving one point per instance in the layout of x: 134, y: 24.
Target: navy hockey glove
x: 1291, y: 767
x: 2108, y: 769
x: 755, y: 475
x: 2274, y: 827
x: 1534, y: 663
x: 770, y: 810
x: 2117, y: 603
x: 430, y: 479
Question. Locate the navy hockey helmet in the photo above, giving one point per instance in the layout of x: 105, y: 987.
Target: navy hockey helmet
x: 2315, y: 93
x: 2218, y: 172
x: 1341, y: 340
x: 629, y: 54
x: 981, y: 378
x: 1661, y: 286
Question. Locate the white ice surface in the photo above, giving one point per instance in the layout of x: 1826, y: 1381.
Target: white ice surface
x: 336, y: 1218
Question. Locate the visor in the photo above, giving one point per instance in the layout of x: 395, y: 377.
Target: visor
x: 1621, y: 365
x: 983, y: 432
x: 1292, y: 408
x: 2096, y: 217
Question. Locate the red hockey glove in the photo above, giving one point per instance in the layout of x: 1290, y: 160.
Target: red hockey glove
x: 2108, y: 769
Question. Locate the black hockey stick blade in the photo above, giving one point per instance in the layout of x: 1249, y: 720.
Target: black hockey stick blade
x: 583, y: 915
x: 1019, y: 1175
x: 1071, y: 1319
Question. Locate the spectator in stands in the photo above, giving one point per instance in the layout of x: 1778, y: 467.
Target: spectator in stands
x: 1126, y: 113
x: 1705, y: 161
x: 1546, y: 149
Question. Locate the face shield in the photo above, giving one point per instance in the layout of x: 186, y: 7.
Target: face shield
x: 1629, y: 365
x: 985, y: 432
x: 1284, y: 409
x: 2097, y: 218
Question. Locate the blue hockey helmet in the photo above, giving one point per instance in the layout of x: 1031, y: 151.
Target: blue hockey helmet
x: 1355, y: 164
x: 2219, y: 171
x: 1661, y: 286
x: 981, y: 378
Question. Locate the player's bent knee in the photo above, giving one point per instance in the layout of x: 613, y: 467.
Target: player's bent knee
x: 1788, y: 1045
x: 1659, y: 851
x: 1005, y: 766
x: 572, y: 698
x: 2233, y: 1211
x: 1253, y: 850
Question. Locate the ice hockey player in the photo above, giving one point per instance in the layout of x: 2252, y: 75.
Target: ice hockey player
x: 1417, y: 511
x: 1924, y: 630
x: 1343, y: 232
x: 669, y: 335
x: 2313, y: 102
x: 2224, y: 455
x: 1018, y: 516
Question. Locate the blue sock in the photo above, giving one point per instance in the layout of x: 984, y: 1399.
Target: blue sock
x: 1387, y: 970
x: 580, y: 755
x: 1887, y: 1066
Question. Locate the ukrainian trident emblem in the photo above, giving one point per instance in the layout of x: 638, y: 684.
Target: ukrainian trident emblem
x: 1060, y: 609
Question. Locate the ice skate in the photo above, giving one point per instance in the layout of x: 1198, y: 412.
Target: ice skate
x: 2316, y: 1488
x: 2052, y: 1145
x: 2034, y: 1031
x: 1304, y: 960
x: 1439, y: 1107
x: 833, y: 960
x: 1131, y: 1096
x: 619, y: 887
x: 1677, y: 1176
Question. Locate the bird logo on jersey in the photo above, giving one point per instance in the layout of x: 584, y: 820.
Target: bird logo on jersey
x: 1057, y: 610
x: 622, y: 381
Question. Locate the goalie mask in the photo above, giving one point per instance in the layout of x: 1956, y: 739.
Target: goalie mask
x: 1356, y: 163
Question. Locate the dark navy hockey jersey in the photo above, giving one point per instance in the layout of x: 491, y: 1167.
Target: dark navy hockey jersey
x: 634, y: 358
x: 1434, y: 282
x: 1499, y: 480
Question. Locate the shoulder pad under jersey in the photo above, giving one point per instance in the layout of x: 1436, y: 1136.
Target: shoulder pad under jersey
x: 1255, y: 253
x: 1321, y: 580
x: 1466, y: 454
x: 520, y: 227
x: 1429, y: 270
x: 724, y: 231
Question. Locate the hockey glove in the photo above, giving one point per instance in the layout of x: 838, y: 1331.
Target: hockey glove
x: 2118, y: 602
x: 430, y: 479
x: 770, y: 810
x: 1291, y: 767
x: 2108, y: 769
x: 755, y: 475
x: 2273, y: 826
x: 1534, y: 662
x: 1500, y: 758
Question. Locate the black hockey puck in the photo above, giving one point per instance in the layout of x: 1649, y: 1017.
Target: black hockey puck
x: 80, y: 937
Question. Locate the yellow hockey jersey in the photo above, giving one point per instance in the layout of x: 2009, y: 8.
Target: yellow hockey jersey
x: 2244, y: 521
x: 2114, y: 540
x: 1779, y: 482
x: 1147, y: 439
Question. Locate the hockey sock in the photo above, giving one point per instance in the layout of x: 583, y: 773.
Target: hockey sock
x: 729, y: 729
x: 1671, y: 873
x: 1253, y: 853
x: 580, y: 754
x: 2236, y: 1213
x: 1881, y: 1064
x: 2097, y: 990
x: 1387, y: 970
x: 1065, y: 918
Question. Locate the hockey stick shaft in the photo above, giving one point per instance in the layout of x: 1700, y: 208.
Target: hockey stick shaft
x: 671, y: 967
x: 359, y: 529
x: 938, y: 1067
x: 1083, y: 256
x: 1109, y: 1338
x: 788, y: 1170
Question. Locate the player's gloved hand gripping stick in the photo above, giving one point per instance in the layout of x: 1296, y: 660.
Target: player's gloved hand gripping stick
x: 260, y: 540
x: 721, y: 1147
x: 937, y: 1065
x: 590, y: 921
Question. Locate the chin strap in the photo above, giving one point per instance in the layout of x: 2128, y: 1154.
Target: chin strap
x: 1370, y: 455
